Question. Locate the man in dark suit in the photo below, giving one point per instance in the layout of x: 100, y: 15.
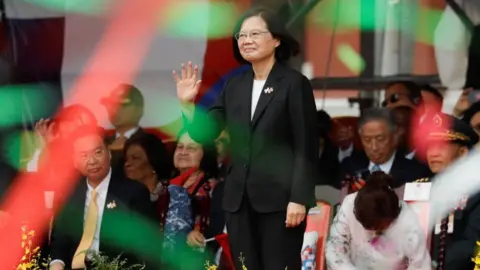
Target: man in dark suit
x: 378, y: 132
x: 328, y: 160
x: 448, y: 142
x: 269, y: 111
x: 125, y: 108
x: 98, y: 213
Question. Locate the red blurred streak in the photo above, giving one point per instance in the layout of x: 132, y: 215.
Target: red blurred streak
x: 25, y: 200
x: 420, y: 132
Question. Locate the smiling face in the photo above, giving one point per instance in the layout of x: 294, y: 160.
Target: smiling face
x: 91, y: 157
x: 255, y: 41
x: 188, y: 153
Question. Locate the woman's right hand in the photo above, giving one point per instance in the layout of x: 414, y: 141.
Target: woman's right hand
x: 188, y: 84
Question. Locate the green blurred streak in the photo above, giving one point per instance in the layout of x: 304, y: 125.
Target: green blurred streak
x: 426, y: 27
x: 347, y: 16
x: 22, y: 101
x: 135, y: 234
x: 351, y: 58
x: 12, y: 146
x: 197, y: 19
x: 89, y: 7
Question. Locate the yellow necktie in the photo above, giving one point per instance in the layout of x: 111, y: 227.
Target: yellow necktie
x: 89, y: 228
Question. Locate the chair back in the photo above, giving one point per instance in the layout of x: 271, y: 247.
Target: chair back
x: 328, y: 194
x: 318, y: 224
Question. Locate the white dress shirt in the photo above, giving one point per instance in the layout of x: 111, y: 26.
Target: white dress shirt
x: 128, y: 133
x: 102, y: 191
x: 451, y: 42
x: 256, y: 93
x: 342, y: 154
x: 385, y: 167
x: 32, y: 165
x: 349, y: 245
x: 411, y: 155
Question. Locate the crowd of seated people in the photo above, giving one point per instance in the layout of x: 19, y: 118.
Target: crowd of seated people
x: 176, y: 195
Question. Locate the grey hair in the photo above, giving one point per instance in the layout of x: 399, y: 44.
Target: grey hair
x: 378, y: 114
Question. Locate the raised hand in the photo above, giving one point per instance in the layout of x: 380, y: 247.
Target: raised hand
x: 44, y: 129
x: 187, y: 83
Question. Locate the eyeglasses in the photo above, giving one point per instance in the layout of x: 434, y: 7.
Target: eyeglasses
x: 391, y: 99
x: 255, y: 35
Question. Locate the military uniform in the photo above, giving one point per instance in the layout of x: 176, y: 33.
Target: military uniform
x: 459, y: 246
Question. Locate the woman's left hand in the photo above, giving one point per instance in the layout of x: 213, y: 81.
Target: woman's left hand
x: 295, y: 214
x: 195, y: 239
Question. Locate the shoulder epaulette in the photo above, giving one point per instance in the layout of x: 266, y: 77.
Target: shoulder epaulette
x: 422, y: 180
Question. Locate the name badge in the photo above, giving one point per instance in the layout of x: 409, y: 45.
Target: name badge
x: 417, y: 192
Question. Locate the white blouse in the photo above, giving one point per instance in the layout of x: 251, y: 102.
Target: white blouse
x: 402, y: 245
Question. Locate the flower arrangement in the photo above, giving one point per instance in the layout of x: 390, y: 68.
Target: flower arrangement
x: 476, y: 259
x: 209, y: 266
x: 102, y: 262
x: 31, y: 260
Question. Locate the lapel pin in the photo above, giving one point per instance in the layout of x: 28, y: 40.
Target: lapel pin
x: 111, y: 205
x: 268, y: 90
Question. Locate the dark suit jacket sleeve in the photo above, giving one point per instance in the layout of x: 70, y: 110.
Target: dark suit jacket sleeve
x: 141, y: 203
x: 301, y: 105
x: 460, y: 252
x: 60, y: 246
x: 208, y: 124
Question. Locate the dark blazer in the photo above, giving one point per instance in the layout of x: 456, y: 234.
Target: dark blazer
x: 466, y: 231
x: 122, y: 222
x: 217, y: 215
x: 328, y: 164
x: 117, y: 156
x: 273, y: 155
x: 403, y: 170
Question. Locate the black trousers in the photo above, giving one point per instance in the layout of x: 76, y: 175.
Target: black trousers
x: 262, y: 241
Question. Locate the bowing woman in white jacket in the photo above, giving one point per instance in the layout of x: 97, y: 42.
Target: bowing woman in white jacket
x: 375, y: 230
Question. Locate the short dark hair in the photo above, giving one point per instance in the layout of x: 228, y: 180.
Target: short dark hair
x: 411, y: 87
x: 324, y: 123
x: 376, y: 202
x: 378, y: 114
x: 155, y: 151
x: 209, y: 163
x: 288, y: 47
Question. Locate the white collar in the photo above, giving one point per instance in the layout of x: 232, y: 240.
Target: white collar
x: 128, y: 133
x: 102, y: 188
x: 410, y: 155
x: 385, y: 167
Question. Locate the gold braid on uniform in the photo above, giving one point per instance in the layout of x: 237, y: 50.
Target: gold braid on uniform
x: 422, y: 180
x: 449, y: 135
x: 442, y: 243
